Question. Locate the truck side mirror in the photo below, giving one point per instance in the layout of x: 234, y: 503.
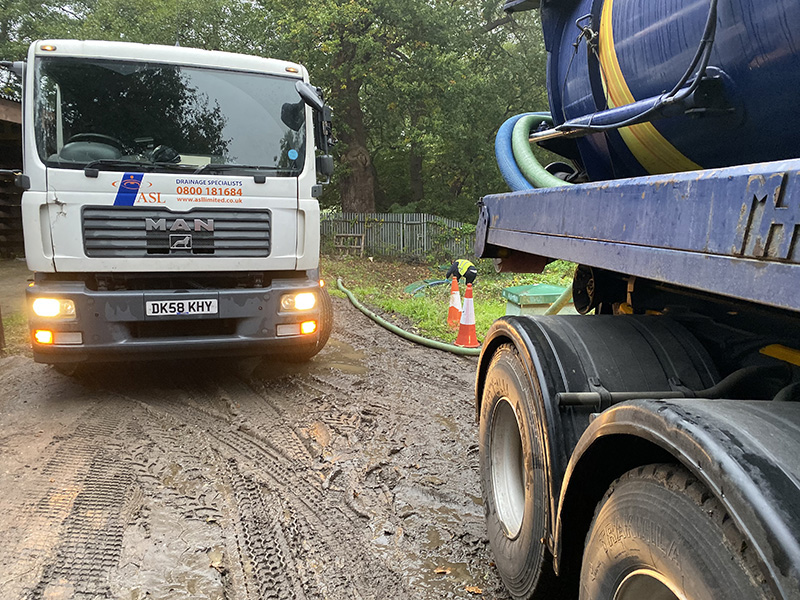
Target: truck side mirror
x: 310, y: 95
x: 325, y: 165
x: 323, y: 136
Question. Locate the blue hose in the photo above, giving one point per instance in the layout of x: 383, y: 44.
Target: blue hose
x: 428, y: 284
x: 505, y: 154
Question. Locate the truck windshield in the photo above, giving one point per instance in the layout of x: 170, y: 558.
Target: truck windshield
x: 116, y: 115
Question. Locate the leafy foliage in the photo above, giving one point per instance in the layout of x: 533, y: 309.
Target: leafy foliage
x: 419, y: 87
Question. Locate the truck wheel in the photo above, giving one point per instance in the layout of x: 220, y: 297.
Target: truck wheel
x: 325, y: 328
x: 513, y: 476
x: 659, y: 534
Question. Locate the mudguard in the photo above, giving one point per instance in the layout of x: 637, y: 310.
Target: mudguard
x: 568, y: 353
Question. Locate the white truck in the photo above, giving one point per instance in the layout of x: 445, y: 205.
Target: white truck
x: 170, y: 204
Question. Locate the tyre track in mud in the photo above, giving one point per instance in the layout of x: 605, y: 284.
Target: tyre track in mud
x: 351, y: 477
x: 326, y: 526
x: 72, y: 514
x: 251, y: 562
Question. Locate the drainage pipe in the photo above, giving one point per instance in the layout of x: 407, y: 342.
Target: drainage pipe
x: 402, y: 332
x: 560, y: 302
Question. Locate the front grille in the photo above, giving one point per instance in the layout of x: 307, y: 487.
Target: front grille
x: 132, y: 232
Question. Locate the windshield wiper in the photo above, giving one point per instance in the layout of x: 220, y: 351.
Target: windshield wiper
x: 222, y: 168
x: 90, y: 169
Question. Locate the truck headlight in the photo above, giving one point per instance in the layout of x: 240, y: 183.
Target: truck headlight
x: 301, y: 301
x: 53, y: 307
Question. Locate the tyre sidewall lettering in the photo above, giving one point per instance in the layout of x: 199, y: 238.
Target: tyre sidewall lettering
x: 635, y: 542
x: 647, y: 522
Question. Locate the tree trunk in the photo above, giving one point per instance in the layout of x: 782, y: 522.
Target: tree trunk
x: 357, y: 186
x: 415, y: 165
x: 415, y: 172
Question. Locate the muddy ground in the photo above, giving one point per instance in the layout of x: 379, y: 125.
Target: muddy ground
x: 354, y: 476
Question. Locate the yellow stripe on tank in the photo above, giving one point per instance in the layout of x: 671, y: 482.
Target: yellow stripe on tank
x: 789, y: 355
x: 650, y: 148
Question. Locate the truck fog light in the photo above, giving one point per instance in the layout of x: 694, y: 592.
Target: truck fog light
x: 307, y: 327
x: 53, y: 307
x: 43, y: 336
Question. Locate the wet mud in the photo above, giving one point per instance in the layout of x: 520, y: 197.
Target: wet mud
x: 352, y: 476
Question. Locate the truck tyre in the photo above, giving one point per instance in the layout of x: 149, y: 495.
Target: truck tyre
x: 513, y: 476
x: 660, y: 534
x: 325, y: 327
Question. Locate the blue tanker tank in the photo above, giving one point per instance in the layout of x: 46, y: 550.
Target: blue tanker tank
x: 605, y: 54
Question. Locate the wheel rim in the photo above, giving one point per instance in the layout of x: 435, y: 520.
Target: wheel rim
x: 646, y: 583
x: 508, y: 469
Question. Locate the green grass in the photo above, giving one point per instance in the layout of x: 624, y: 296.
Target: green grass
x: 15, y: 329
x: 380, y: 284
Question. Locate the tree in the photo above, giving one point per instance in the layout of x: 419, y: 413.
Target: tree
x: 419, y: 87
x: 435, y: 117
x: 208, y: 24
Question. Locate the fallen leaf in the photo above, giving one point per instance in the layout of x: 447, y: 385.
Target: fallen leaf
x: 474, y: 590
x: 215, y: 555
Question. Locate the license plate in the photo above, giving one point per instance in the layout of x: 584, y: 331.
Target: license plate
x: 157, y: 308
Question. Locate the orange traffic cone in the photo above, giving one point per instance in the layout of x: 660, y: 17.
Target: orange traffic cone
x: 454, y: 312
x: 467, y: 338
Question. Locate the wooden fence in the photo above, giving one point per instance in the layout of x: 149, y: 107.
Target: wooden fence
x: 391, y: 234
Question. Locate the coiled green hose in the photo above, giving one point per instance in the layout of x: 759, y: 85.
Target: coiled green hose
x: 523, y: 155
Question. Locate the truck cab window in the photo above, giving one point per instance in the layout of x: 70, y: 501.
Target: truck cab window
x: 127, y: 111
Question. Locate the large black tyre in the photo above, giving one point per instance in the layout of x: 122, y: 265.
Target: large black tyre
x: 300, y: 355
x: 658, y: 534
x: 513, y: 476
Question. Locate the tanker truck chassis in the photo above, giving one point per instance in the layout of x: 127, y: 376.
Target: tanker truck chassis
x: 649, y: 447
x: 684, y: 380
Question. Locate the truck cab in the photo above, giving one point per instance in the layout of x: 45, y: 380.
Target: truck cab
x: 171, y: 203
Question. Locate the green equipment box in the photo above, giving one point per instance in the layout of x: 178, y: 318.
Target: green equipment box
x: 534, y: 299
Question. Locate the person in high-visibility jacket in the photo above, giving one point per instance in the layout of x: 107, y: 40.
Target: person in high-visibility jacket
x: 462, y: 268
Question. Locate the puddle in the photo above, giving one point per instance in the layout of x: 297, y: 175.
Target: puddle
x: 335, y: 355
x: 427, y: 559
x: 476, y: 500
x: 342, y: 357
x: 448, y: 422
x: 441, y: 574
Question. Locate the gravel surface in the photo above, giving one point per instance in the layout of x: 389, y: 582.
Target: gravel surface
x: 353, y: 476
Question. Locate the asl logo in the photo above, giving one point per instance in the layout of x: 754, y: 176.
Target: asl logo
x: 149, y: 198
x: 131, y: 185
